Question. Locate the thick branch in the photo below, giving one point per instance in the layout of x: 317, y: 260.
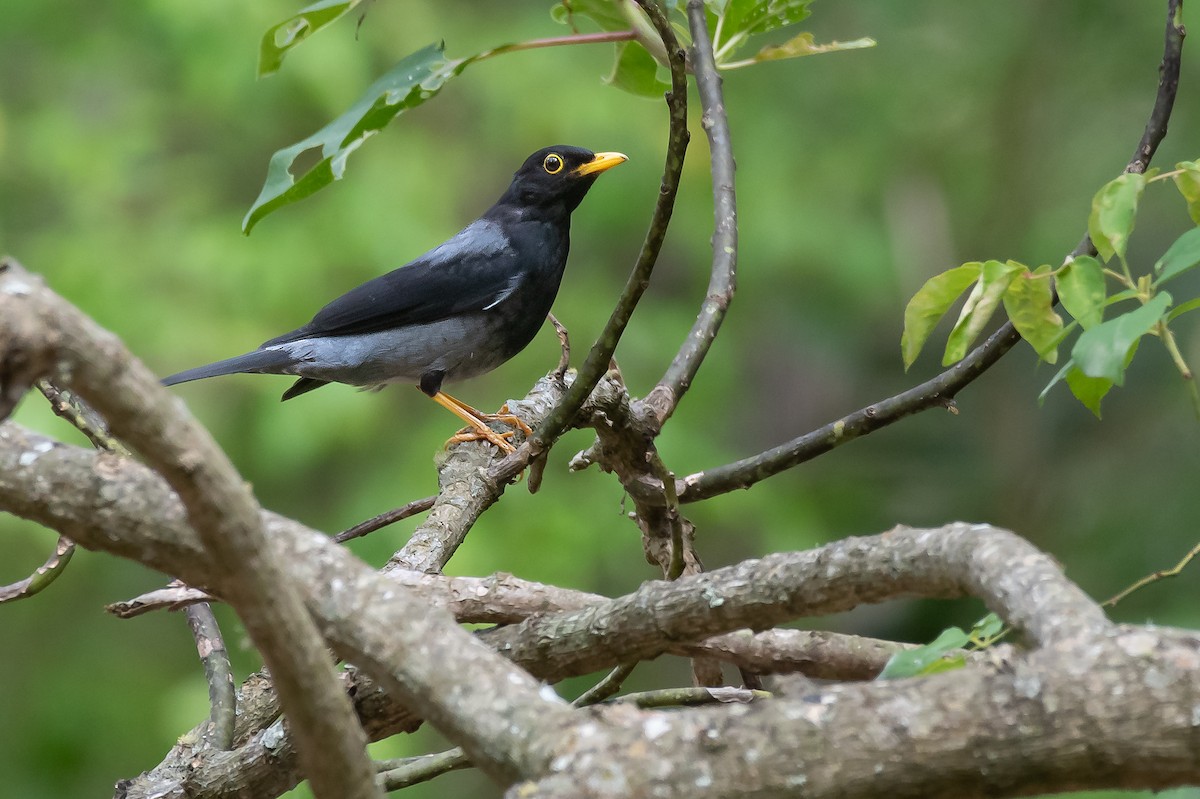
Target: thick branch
x: 119, y: 506
x: 76, y: 352
x: 1121, y: 712
x: 1025, y: 587
x: 466, y: 489
x: 411, y: 648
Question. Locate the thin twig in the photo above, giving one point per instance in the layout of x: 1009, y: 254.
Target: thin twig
x: 1155, y: 577
x: 384, y: 519
x: 560, y: 41
x: 45, y: 574
x: 940, y: 391
x: 722, y: 283
x: 70, y: 407
x: 222, y: 697
x: 691, y: 696
x: 607, y: 687
x: 406, y: 771
x: 557, y: 422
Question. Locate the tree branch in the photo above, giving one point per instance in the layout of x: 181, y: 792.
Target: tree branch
x: 75, y: 351
x: 222, y: 698
x: 940, y: 391
x: 598, y: 358
x: 1131, y: 694
x: 665, y: 396
x: 384, y: 519
x: 121, y: 507
x: 43, y: 575
x: 1022, y: 585
x: 414, y: 651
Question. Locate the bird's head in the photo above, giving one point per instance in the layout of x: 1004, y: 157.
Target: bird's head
x: 558, y: 177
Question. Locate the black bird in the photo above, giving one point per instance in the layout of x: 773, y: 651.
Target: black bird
x: 458, y: 311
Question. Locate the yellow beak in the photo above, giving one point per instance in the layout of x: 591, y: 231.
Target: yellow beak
x: 602, y: 162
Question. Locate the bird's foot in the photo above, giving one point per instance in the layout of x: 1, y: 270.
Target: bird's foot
x: 478, y: 421
x: 499, y: 440
x: 505, y: 416
x: 481, y: 431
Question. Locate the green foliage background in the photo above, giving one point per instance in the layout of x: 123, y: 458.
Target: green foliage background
x: 133, y: 138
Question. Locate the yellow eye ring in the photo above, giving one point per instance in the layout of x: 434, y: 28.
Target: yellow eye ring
x: 553, y: 164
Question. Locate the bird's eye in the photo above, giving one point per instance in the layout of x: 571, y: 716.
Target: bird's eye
x: 553, y: 164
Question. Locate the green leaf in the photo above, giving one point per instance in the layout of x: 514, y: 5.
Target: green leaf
x: 1188, y: 183
x: 411, y: 82
x: 1028, y: 301
x: 750, y: 17
x: 1183, y: 308
x: 1088, y: 390
x: 605, y: 13
x: 1179, y: 257
x: 1058, y: 378
x: 986, y: 630
x: 281, y: 38
x: 1103, y: 351
x: 926, y: 659
x: 930, y: 304
x: 636, y: 72
x: 1081, y: 289
x: 799, y: 46
x: 1114, y: 209
x: 1121, y: 296
x: 979, y: 307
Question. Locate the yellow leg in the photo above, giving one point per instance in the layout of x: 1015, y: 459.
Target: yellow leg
x: 477, y: 420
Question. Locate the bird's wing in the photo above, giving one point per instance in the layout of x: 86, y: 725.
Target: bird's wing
x: 473, y: 271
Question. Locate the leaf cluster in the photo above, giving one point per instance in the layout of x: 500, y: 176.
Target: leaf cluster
x: 639, y: 68
x: 1087, y: 288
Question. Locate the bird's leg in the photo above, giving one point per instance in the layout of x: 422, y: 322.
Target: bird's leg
x: 504, y: 415
x: 478, y: 420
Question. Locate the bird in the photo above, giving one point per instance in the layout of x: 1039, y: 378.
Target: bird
x: 460, y: 310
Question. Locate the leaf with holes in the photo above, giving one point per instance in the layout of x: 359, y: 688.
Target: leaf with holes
x: 283, y: 37
x: 799, y: 46
x: 930, y: 304
x: 986, y: 631
x: 751, y: 17
x: 605, y: 13
x: 406, y: 85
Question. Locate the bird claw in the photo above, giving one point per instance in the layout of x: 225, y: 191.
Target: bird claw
x: 498, y: 439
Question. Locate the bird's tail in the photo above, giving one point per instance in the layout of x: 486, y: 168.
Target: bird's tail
x: 270, y: 361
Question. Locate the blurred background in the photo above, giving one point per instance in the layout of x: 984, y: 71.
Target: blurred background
x: 134, y: 137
